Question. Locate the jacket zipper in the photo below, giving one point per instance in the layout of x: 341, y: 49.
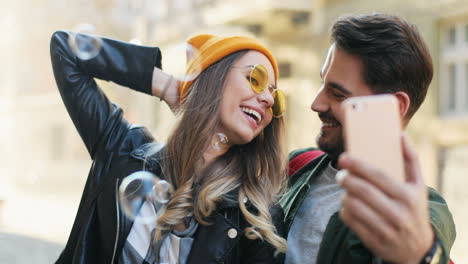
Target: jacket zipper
x: 118, y: 219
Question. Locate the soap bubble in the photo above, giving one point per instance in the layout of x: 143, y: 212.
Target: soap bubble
x: 162, y: 191
x: 135, y: 41
x: 142, y: 195
x: 83, y: 43
x: 178, y: 59
x: 220, y: 142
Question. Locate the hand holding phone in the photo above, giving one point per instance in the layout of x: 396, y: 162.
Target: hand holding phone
x: 385, y: 201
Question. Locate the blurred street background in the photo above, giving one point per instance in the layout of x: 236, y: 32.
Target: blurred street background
x: 44, y: 164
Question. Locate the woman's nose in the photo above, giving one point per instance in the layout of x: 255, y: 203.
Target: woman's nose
x: 266, y: 98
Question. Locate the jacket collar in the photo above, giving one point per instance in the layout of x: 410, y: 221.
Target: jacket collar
x: 299, y: 185
x: 149, y: 154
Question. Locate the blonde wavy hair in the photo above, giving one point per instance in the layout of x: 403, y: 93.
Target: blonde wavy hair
x: 255, y: 169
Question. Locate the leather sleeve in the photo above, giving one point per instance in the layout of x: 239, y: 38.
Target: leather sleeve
x: 98, y: 121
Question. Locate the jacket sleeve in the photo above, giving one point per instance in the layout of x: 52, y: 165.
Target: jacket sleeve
x: 99, y: 122
x: 442, y: 222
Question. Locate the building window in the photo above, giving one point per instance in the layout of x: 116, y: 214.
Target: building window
x: 454, y: 70
x: 284, y: 69
x: 451, y: 40
x: 466, y: 33
x: 451, y: 93
x: 255, y: 29
x: 300, y: 18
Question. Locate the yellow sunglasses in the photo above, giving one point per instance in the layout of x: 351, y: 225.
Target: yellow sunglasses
x: 258, y: 80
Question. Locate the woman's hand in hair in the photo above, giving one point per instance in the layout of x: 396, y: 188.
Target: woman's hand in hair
x: 165, y: 86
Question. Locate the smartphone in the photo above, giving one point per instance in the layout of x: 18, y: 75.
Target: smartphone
x: 372, y: 132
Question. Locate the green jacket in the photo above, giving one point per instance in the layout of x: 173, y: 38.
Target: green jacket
x: 339, y: 243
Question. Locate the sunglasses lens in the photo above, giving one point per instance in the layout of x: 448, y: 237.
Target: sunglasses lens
x: 280, y: 103
x: 258, y: 78
x: 259, y: 82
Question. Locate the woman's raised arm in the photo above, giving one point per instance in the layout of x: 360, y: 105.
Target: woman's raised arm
x: 98, y: 121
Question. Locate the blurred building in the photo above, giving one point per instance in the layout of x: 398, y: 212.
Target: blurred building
x: 44, y: 163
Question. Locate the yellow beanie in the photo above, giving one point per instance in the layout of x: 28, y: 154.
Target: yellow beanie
x: 211, y: 48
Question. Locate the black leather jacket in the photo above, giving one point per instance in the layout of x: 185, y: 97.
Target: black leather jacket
x: 117, y: 149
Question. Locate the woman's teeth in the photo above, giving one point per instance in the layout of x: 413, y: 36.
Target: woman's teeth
x: 251, y: 112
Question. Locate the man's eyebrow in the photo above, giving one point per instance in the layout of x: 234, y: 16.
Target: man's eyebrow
x: 339, y: 87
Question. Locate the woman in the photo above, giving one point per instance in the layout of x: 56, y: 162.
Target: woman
x: 222, y: 196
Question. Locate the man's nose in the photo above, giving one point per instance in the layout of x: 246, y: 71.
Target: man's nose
x: 320, y: 103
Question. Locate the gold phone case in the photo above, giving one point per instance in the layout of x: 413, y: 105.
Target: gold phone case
x: 372, y: 132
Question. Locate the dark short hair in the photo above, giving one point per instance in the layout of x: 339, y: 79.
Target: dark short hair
x: 394, y: 55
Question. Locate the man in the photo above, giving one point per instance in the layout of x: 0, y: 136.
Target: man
x: 363, y: 215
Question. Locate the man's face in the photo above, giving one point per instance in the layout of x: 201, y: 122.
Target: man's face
x: 341, y: 76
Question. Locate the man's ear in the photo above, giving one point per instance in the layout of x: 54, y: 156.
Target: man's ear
x: 404, y: 102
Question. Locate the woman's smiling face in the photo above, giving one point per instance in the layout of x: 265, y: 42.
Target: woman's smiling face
x: 245, y: 113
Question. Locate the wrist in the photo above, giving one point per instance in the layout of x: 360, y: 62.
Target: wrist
x: 167, y: 85
x: 424, y: 254
x: 433, y: 254
x: 160, y: 83
x: 426, y: 249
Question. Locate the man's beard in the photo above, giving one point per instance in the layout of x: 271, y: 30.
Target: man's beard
x: 333, y: 146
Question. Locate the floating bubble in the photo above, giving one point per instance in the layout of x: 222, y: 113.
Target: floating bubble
x: 135, y: 41
x: 220, y: 142
x: 183, y: 62
x: 162, y: 191
x: 142, y: 195
x: 83, y: 43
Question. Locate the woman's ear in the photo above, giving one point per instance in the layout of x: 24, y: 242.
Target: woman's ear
x: 404, y: 102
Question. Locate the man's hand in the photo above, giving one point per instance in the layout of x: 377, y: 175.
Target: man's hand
x: 389, y: 216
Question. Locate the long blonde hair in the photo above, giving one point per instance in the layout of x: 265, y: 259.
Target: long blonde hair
x: 255, y: 169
